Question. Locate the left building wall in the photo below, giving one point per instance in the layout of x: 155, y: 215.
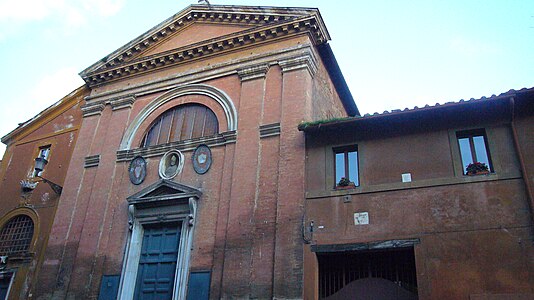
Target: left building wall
x: 55, y: 128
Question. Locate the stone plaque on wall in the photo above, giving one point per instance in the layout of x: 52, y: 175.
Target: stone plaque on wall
x: 361, y: 218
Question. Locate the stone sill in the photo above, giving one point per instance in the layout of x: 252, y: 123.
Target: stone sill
x: 397, y: 186
x: 220, y: 139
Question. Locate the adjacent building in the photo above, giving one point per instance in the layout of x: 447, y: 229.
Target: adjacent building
x: 410, y: 218
x: 28, y: 204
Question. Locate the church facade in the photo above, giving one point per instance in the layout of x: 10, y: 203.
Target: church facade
x: 187, y: 171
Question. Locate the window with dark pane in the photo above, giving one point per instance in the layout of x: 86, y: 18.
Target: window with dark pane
x: 16, y: 236
x: 181, y: 123
x: 346, y: 164
x: 473, y: 145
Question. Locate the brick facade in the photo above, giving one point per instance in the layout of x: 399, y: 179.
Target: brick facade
x: 247, y: 230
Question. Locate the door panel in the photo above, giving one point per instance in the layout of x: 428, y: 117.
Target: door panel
x: 157, y: 264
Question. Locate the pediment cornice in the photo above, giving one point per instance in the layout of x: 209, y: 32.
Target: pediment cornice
x: 267, y: 24
x: 164, y: 190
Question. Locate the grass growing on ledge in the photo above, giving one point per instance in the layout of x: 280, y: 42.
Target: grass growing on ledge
x: 305, y: 125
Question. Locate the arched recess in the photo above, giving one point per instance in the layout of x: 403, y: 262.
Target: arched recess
x: 29, y: 212
x: 199, y: 89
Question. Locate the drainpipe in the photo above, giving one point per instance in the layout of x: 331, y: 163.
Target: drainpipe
x: 524, y: 172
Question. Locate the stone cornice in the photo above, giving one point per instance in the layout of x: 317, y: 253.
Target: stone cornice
x: 203, y: 74
x: 214, y: 14
x: 301, y: 25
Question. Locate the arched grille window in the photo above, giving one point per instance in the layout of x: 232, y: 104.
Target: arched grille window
x: 16, y: 236
x: 181, y: 123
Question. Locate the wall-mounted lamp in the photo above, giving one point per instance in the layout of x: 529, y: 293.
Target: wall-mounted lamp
x: 40, y: 163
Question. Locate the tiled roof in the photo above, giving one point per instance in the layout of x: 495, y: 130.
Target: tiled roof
x: 327, y: 123
x: 510, y: 93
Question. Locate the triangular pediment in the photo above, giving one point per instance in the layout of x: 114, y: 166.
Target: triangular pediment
x: 194, y: 33
x: 164, y: 190
x: 203, y: 30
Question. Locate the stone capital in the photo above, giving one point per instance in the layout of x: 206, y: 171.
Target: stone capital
x: 249, y: 73
x: 92, y: 109
x: 302, y: 62
x: 120, y: 103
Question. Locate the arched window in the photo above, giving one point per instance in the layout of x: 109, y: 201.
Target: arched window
x: 181, y: 123
x: 16, y: 235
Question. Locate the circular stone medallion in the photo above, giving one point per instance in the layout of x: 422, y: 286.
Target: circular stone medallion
x: 202, y: 159
x: 137, y: 170
x: 171, y: 164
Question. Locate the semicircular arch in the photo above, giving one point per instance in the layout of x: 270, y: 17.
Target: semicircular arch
x: 214, y: 93
x: 26, y: 211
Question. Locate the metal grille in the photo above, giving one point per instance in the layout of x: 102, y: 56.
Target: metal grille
x: 339, y: 269
x: 16, y: 236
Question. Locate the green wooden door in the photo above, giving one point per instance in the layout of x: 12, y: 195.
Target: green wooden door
x: 157, y: 264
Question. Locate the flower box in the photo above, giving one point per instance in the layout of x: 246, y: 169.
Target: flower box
x: 345, y: 183
x: 477, y: 168
x: 345, y: 187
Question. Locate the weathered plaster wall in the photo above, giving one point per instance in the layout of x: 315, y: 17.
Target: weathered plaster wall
x: 57, y: 127
x: 475, y: 231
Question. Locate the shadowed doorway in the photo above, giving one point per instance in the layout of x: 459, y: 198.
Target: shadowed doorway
x: 368, y: 274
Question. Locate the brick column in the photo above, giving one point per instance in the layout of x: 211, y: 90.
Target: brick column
x: 296, y: 107
x: 64, y: 236
x: 92, y: 237
x: 244, y: 191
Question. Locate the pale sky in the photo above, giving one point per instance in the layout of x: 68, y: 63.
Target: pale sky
x: 393, y: 54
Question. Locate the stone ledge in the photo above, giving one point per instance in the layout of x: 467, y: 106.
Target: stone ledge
x: 204, y: 74
x: 220, y: 139
x: 399, y: 186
